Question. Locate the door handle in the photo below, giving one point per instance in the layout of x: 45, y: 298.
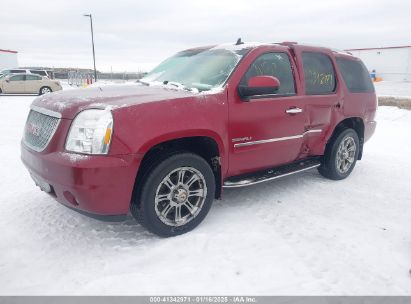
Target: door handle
x: 293, y: 111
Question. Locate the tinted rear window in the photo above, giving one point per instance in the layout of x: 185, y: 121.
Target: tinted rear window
x: 319, y: 73
x: 355, y: 76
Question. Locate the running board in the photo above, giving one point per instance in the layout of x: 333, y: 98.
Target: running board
x: 271, y: 174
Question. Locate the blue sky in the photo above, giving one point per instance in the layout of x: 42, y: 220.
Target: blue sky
x: 136, y: 35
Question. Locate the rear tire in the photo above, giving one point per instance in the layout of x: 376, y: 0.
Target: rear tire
x: 176, y: 194
x: 341, y: 155
x: 45, y: 90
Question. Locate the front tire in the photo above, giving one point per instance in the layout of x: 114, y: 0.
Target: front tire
x: 341, y: 155
x: 176, y: 195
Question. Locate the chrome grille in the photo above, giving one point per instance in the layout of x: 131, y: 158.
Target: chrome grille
x: 39, y: 130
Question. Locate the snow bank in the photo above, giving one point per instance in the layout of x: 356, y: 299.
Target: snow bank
x: 394, y: 93
x: 393, y: 89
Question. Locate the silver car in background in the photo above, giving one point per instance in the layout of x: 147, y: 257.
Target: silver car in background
x: 47, y: 73
x: 28, y: 84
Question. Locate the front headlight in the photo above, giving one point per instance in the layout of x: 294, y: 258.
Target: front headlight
x: 90, y: 132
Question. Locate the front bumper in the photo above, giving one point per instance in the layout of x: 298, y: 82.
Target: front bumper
x: 100, y: 185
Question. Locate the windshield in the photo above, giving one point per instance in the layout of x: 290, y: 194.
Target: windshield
x: 200, y: 69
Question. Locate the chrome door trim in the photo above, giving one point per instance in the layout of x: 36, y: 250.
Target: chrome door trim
x: 265, y: 141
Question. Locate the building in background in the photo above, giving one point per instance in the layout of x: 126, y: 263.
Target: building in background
x: 8, y: 59
x: 390, y: 63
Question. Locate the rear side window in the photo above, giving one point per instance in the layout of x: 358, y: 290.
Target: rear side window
x: 42, y: 73
x: 355, y: 76
x: 273, y: 64
x: 319, y: 74
x: 33, y: 77
x: 18, y: 71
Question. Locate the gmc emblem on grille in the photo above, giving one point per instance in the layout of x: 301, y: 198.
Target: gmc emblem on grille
x: 33, y: 129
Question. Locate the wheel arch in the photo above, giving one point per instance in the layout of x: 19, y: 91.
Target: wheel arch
x: 45, y: 86
x: 355, y: 123
x: 206, y: 145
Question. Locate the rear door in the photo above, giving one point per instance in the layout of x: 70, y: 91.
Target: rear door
x: 33, y: 83
x: 323, y: 98
x: 15, y: 84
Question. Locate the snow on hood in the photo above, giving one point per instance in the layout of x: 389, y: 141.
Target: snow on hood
x: 236, y: 47
x: 70, y: 102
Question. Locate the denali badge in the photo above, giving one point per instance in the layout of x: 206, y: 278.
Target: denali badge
x: 247, y: 138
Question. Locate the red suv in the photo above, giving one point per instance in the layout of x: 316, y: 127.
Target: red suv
x: 207, y: 118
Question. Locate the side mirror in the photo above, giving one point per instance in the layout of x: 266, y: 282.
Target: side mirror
x: 259, y: 86
x: 7, y: 80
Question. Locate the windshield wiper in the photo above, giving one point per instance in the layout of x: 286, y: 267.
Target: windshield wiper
x: 177, y: 85
x: 147, y: 83
x: 167, y: 83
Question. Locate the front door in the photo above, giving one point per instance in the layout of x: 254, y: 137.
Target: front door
x: 267, y: 131
x: 15, y: 84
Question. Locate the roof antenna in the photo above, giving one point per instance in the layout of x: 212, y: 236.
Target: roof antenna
x: 239, y: 42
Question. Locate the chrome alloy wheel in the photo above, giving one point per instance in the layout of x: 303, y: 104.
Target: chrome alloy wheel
x: 345, y: 154
x: 180, y: 196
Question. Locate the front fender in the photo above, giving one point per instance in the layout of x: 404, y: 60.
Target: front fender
x: 167, y: 137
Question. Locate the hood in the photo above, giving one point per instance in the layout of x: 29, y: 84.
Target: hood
x: 70, y: 102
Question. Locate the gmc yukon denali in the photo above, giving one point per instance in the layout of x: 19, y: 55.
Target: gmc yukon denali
x: 208, y: 118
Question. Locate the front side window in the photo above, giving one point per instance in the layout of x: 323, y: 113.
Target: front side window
x: 319, y: 74
x: 273, y: 64
x: 33, y: 77
x: 203, y: 70
x: 355, y: 76
x: 17, y: 78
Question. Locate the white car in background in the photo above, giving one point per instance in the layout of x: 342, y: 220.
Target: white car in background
x: 28, y: 84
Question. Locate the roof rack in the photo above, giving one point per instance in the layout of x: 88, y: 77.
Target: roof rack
x: 288, y: 43
x: 341, y: 51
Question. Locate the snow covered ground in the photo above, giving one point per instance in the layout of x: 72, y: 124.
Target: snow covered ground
x: 301, y: 235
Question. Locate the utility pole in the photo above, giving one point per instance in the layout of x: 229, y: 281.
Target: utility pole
x: 92, y: 43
